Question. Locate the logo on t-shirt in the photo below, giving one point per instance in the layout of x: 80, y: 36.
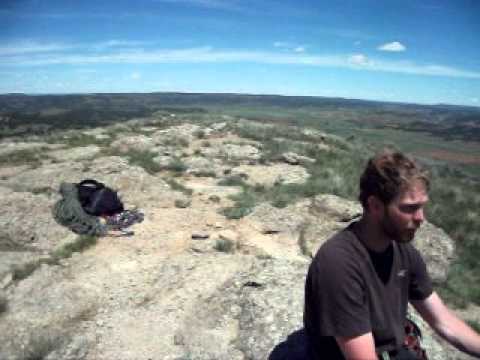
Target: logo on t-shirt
x: 402, y: 273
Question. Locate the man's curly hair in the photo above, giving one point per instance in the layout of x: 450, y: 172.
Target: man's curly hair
x: 388, y: 174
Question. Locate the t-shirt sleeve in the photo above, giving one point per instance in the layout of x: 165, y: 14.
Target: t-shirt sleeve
x: 420, y: 283
x: 339, y: 291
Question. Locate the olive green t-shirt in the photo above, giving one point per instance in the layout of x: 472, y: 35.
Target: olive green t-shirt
x: 345, y: 295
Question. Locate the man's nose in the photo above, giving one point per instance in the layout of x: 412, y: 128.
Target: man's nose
x: 419, y: 216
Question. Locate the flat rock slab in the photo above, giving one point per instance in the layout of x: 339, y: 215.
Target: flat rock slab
x: 77, y: 153
x: 268, y: 175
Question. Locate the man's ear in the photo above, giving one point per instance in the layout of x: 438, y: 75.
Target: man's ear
x: 376, y: 207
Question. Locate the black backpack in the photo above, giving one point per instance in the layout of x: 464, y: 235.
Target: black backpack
x: 97, y: 199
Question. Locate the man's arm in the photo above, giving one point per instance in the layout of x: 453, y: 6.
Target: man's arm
x: 358, y: 348
x: 448, y: 325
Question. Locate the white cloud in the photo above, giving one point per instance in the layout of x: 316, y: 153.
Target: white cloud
x: 119, y: 43
x: 198, y: 55
x: 212, y: 4
x: 27, y: 47
x: 33, y: 47
x: 394, y: 46
x: 281, y: 44
x: 135, y: 75
x: 290, y: 46
x: 359, y: 59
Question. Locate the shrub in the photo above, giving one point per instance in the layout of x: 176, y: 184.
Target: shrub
x: 22, y: 157
x: 175, y: 185
x: 236, y: 212
x: 85, y: 140
x: 41, y: 344
x: 232, y: 180
x: 214, y: 198
x: 81, y: 243
x: 205, y: 173
x: 3, y: 303
x: 42, y: 190
x: 20, y: 272
x: 143, y: 159
x: 475, y: 325
x: 455, y: 209
x: 244, y: 204
x: 176, y: 141
x: 176, y: 165
x: 183, y: 203
x: 225, y: 245
x: 199, y: 134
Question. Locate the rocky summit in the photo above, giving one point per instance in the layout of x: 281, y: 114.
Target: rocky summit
x: 215, y: 271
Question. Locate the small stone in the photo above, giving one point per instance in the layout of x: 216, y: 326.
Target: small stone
x: 178, y: 339
x: 7, y: 280
x: 229, y: 235
x: 200, y: 235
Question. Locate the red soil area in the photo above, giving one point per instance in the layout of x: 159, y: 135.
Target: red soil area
x: 451, y: 156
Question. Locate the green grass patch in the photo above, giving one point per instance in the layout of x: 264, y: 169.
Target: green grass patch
x: 205, y: 173
x: 143, y: 159
x: 42, y: 190
x: 183, y: 203
x: 3, y: 303
x: 31, y: 157
x: 475, y: 325
x: 455, y: 207
x: 82, y: 242
x: 225, y: 245
x: 175, y: 185
x: 80, y: 140
x: 176, y: 165
x: 232, y: 180
x: 20, y: 272
x: 176, y: 141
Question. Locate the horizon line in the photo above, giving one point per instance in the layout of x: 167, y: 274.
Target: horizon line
x: 396, y: 102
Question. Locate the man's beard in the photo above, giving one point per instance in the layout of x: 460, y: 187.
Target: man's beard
x: 393, y: 231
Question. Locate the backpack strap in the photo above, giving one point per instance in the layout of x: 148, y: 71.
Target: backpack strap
x: 92, y: 183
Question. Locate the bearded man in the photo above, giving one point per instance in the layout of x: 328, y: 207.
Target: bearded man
x: 361, y: 280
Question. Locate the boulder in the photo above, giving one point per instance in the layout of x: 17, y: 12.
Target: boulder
x: 437, y: 249
x: 28, y: 225
x: 239, y: 152
x: 135, y: 142
x: 44, y: 312
x: 269, y: 175
x: 75, y: 154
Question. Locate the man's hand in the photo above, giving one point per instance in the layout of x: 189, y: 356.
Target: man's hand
x: 448, y: 325
x: 358, y: 348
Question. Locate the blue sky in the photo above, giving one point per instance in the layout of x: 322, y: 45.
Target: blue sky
x: 409, y: 51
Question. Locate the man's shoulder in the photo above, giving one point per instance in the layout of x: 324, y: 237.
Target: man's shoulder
x: 342, y: 240
x: 342, y: 247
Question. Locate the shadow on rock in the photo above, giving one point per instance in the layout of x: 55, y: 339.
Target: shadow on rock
x: 293, y: 348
